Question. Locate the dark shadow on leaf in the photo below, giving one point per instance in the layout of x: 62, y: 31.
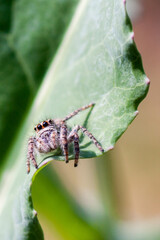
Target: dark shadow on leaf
x: 134, y: 57
x: 86, y: 145
x: 87, y: 154
x: 85, y: 124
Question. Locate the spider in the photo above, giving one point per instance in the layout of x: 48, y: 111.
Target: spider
x: 53, y: 133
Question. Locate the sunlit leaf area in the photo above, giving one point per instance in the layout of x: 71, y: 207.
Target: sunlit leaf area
x: 56, y: 57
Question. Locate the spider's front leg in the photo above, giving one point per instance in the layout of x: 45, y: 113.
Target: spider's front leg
x: 31, y: 154
x: 63, y: 140
x: 54, y: 139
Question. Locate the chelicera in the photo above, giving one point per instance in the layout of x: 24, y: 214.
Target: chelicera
x: 54, y: 133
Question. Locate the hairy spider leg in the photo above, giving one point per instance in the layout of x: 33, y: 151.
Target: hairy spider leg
x: 63, y: 140
x: 76, y: 149
x: 77, y: 111
x: 42, y: 146
x: 73, y: 136
x: 90, y: 135
x: 54, y: 143
x: 30, y: 155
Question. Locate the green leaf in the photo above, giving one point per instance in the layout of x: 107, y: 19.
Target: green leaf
x: 97, y: 62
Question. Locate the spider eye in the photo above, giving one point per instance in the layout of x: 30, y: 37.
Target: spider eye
x: 50, y: 121
x: 35, y: 128
x: 39, y: 127
x: 45, y: 124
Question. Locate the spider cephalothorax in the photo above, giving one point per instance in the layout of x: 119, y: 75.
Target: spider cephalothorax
x: 53, y: 133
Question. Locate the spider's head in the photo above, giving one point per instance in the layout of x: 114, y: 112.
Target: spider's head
x: 42, y: 125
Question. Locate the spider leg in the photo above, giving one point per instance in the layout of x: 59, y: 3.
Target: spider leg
x: 76, y: 149
x: 77, y: 111
x: 54, y: 141
x: 90, y: 135
x: 87, y: 133
x: 31, y: 154
x: 63, y: 140
x: 73, y: 136
x: 42, y: 145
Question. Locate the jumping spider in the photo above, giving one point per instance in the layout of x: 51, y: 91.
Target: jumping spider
x: 53, y: 133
